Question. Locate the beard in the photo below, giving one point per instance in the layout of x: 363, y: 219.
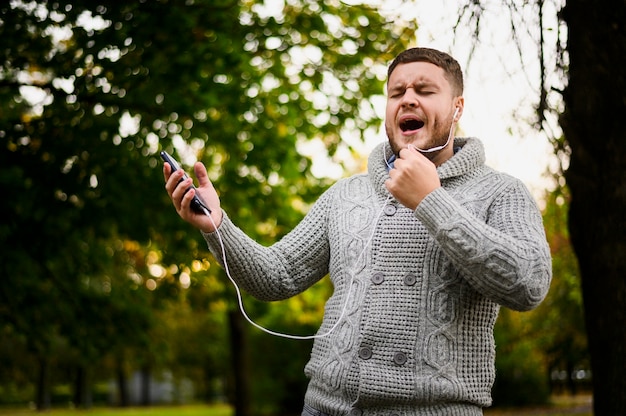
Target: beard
x: 440, y: 136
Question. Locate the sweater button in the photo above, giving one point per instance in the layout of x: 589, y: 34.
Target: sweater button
x: 365, y: 353
x: 390, y: 210
x: 378, y: 278
x: 410, y: 279
x: 356, y: 412
x: 400, y: 358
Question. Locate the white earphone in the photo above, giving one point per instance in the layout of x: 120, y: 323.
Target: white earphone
x: 437, y: 148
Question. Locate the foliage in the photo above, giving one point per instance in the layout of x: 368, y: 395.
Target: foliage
x: 521, y: 368
x: 566, y: 348
x: 280, y: 383
x: 98, y: 271
x: 535, y: 347
x: 91, y: 91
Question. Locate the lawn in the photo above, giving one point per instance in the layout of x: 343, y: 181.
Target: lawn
x: 580, y: 405
x: 561, y: 406
x: 188, y: 410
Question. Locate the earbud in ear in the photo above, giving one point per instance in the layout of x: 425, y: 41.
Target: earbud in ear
x: 456, y: 111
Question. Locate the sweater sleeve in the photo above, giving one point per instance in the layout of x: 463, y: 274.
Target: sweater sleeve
x: 505, y: 257
x: 283, y: 269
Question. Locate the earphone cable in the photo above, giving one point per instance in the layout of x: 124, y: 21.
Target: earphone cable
x: 280, y: 334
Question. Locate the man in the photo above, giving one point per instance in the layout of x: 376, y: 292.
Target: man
x: 422, y: 251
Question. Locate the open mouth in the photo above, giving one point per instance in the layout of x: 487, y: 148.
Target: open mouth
x: 411, y: 124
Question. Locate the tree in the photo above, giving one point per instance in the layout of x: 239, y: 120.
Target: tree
x: 587, y: 97
x: 566, y: 349
x: 92, y: 90
x: 594, y: 104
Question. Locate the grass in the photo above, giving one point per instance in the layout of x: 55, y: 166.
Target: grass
x: 567, y: 405
x: 187, y: 410
x: 560, y: 406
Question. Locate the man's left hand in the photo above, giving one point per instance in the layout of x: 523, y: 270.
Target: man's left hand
x: 413, y: 177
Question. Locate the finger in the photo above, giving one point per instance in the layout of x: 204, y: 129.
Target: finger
x: 205, y: 184
x: 393, y: 173
x: 409, y: 153
x: 167, y: 171
x: 172, y: 180
x: 180, y: 188
x: 179, y: 191
x: 416, y: 154
x: 187, y: 195
x: 201, y: 174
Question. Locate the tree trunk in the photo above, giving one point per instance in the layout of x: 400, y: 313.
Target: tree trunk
x: 241, y: 365
x: 146, y: 386
x: 595, y: 105
x: 42, y: 401
x: 122, y: 384
x: 83, y: 397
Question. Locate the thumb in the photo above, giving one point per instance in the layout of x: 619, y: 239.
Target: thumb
x: 414, y: 150
x: 201, y: 174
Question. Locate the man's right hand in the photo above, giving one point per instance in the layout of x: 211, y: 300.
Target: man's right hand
x: 181, y: 197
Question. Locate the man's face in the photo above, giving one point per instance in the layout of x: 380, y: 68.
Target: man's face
x: 420, y: 106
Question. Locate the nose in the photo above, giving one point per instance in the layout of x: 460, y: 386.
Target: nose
x: 410, y: 98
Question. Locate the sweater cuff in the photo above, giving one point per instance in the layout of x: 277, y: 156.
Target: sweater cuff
x: 436, y: 209
x: 213, y: 239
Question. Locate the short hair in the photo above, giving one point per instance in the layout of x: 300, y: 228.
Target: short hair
x: 451, y: 68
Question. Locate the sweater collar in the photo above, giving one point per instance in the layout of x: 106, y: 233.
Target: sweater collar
x: 470, y: 156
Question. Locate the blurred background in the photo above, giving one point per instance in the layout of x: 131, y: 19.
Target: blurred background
x: 107, y: 298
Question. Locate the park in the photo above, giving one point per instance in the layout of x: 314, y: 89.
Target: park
x: 111, y: 304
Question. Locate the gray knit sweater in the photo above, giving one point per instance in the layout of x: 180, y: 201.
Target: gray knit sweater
x: 423, y: 288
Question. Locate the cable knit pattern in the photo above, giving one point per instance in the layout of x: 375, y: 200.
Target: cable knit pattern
x: 422, y: 297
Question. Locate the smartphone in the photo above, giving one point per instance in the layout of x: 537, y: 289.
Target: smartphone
x: 197, y: 204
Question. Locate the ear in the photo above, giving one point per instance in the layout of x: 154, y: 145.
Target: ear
x: 458, y: 111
